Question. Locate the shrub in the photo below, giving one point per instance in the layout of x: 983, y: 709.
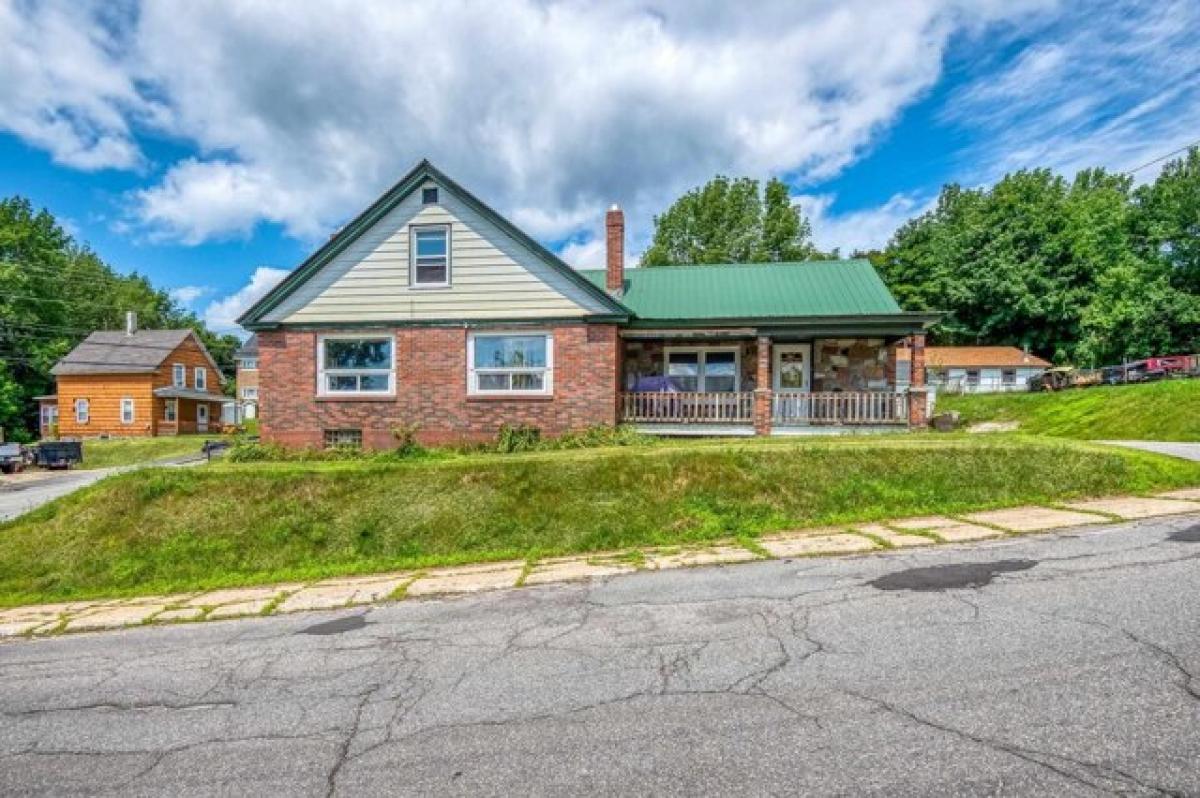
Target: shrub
x: 519, y: 438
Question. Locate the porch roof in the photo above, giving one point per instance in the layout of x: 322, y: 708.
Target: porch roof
x: 758, y: 293
x: 172, y: 392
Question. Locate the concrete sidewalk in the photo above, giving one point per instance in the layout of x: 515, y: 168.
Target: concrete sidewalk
x: 343, y: 592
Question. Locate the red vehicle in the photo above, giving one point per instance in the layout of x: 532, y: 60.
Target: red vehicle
x: 1170, y: 364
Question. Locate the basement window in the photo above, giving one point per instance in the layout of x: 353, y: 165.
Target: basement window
x: 343, y: 439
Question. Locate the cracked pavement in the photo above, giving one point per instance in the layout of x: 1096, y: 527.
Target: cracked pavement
x: 1066, y: 664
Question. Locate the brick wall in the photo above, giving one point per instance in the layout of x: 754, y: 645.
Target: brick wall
x: 431, y: 389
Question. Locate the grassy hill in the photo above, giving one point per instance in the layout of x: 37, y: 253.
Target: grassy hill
x: 167, y: 530
x: 1156, y: 411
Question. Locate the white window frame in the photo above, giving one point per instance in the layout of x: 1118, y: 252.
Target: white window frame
x: 127, y: 402
x: 547, y: 372
x: 703, y: 351
x: 250, y: 394
x: 171, y: 411
x: 179, y: 375
x: 248, y: 364
x: 413, y: 229
x: 86, y: 407
x: 200, y: 378
x: 49, y: 415
x: 323, y: 384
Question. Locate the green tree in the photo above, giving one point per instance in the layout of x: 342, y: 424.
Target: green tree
x: 1167, y: 220
x: 730, y: 221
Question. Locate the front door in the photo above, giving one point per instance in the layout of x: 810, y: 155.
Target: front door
x: 790, y: 381
x: 201, y: 417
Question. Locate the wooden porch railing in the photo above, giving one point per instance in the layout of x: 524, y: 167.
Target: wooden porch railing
x: 688, y: 408
x: 866, y: 407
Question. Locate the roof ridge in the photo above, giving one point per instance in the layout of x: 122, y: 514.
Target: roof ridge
x: 733, y: 264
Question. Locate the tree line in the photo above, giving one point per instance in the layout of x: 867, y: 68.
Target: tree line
x: 1093, y: 270
x: 53, y: 292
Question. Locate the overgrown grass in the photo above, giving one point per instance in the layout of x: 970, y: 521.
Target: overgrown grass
x: 130, y: 451
x: 1157, y: 411
x: 160, y: 530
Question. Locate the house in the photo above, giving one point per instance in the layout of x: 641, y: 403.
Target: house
x: 246, y: 359
x: 135, y: 383
x: 432, y: 310
x: 977, y: 369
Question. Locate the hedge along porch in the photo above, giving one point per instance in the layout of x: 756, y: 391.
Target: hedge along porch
x: 412, y: 286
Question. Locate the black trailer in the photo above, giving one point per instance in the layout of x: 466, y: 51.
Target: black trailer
x: 59, y: 454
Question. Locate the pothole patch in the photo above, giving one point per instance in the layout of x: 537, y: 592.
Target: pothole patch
x: 337, y: 626
x: 936, y: 578
x: 1189, y: 534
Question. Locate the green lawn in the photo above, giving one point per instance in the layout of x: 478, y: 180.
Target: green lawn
x: 129, y: 451
x: 180, y: 529
x: 1157, y: 411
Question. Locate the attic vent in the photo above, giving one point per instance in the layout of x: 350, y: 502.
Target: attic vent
x: 429, y: 196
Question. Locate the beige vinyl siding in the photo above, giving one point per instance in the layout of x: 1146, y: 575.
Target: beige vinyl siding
x: 492, y: 275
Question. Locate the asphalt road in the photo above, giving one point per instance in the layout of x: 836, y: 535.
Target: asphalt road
x: 1188, y: 451
x: 17, y: 498
x: 1053, y: 665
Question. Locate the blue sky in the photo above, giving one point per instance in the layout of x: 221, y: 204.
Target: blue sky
x: 211, y: 148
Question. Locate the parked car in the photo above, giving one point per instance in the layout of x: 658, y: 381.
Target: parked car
x: 13, y: 458
x: 58, y: 454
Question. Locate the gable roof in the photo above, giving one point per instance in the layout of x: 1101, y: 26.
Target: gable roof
x: 249, y: 348
x: 115, y: 352
x: 978, y: 357
x: 252, y: 318
x: 758, y: 291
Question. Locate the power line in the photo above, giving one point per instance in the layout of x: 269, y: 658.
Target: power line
x: 1184, y: 148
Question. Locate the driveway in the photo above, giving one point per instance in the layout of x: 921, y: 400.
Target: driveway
x: 1061, y: 665
x: 32, y: 489
x: 1188, y: 451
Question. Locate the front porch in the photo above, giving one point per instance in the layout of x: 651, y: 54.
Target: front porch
x: 738, y: 383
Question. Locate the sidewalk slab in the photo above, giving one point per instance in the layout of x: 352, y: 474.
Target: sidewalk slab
x: 892, y: 537
x: 239, y: 609
x: 1134, y: 507
x: 181, y: 614
x: 1191, y: 494
x: 570, y: 569
x: 334, y: 593
x: 1034, y: 519
x: 712, y: 555
x: 113, y: 617
x: 18, y: 628
x: 240, y: 595
x: 947, y: 529
x: 467, y: 579
x: 808, y: 545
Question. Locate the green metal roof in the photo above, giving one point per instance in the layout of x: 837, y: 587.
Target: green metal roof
x: 824, y: 288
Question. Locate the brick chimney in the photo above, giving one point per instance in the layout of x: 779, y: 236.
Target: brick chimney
x: 614, y: 223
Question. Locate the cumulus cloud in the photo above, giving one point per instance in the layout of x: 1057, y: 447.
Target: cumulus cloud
x: 221, y: 315
x: 868, y: 228
x: 299, y: 114
x: 187, y: 294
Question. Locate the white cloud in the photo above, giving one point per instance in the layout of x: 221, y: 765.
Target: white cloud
x: 868, y: 228
x: 300, y: 113
x: 221, y: 315
x: 1116, y: 85
x: 187, y: 294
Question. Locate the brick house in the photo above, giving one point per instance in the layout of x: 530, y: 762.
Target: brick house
x: 134, y: 383
x: 430, y: 309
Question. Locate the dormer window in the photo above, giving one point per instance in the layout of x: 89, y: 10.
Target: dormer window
x: 429, y: 196
x: 429, y: 245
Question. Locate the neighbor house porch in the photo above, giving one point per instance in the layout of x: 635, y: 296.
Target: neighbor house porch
x: 747, y: 382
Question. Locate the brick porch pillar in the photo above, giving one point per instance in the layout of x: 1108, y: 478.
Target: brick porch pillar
x: 762, y: 388
x: 917, y: 400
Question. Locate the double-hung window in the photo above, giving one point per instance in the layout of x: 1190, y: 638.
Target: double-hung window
x: 201, y: 378
x: 127, y: 410
x: 82, y: 411
x: 249, y: 393
x: 179, y: 375
x: 170, y: 410
x: 429, y: 247
x: 703, y: 370
x: 518, y: 363
x: 358, y: 366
